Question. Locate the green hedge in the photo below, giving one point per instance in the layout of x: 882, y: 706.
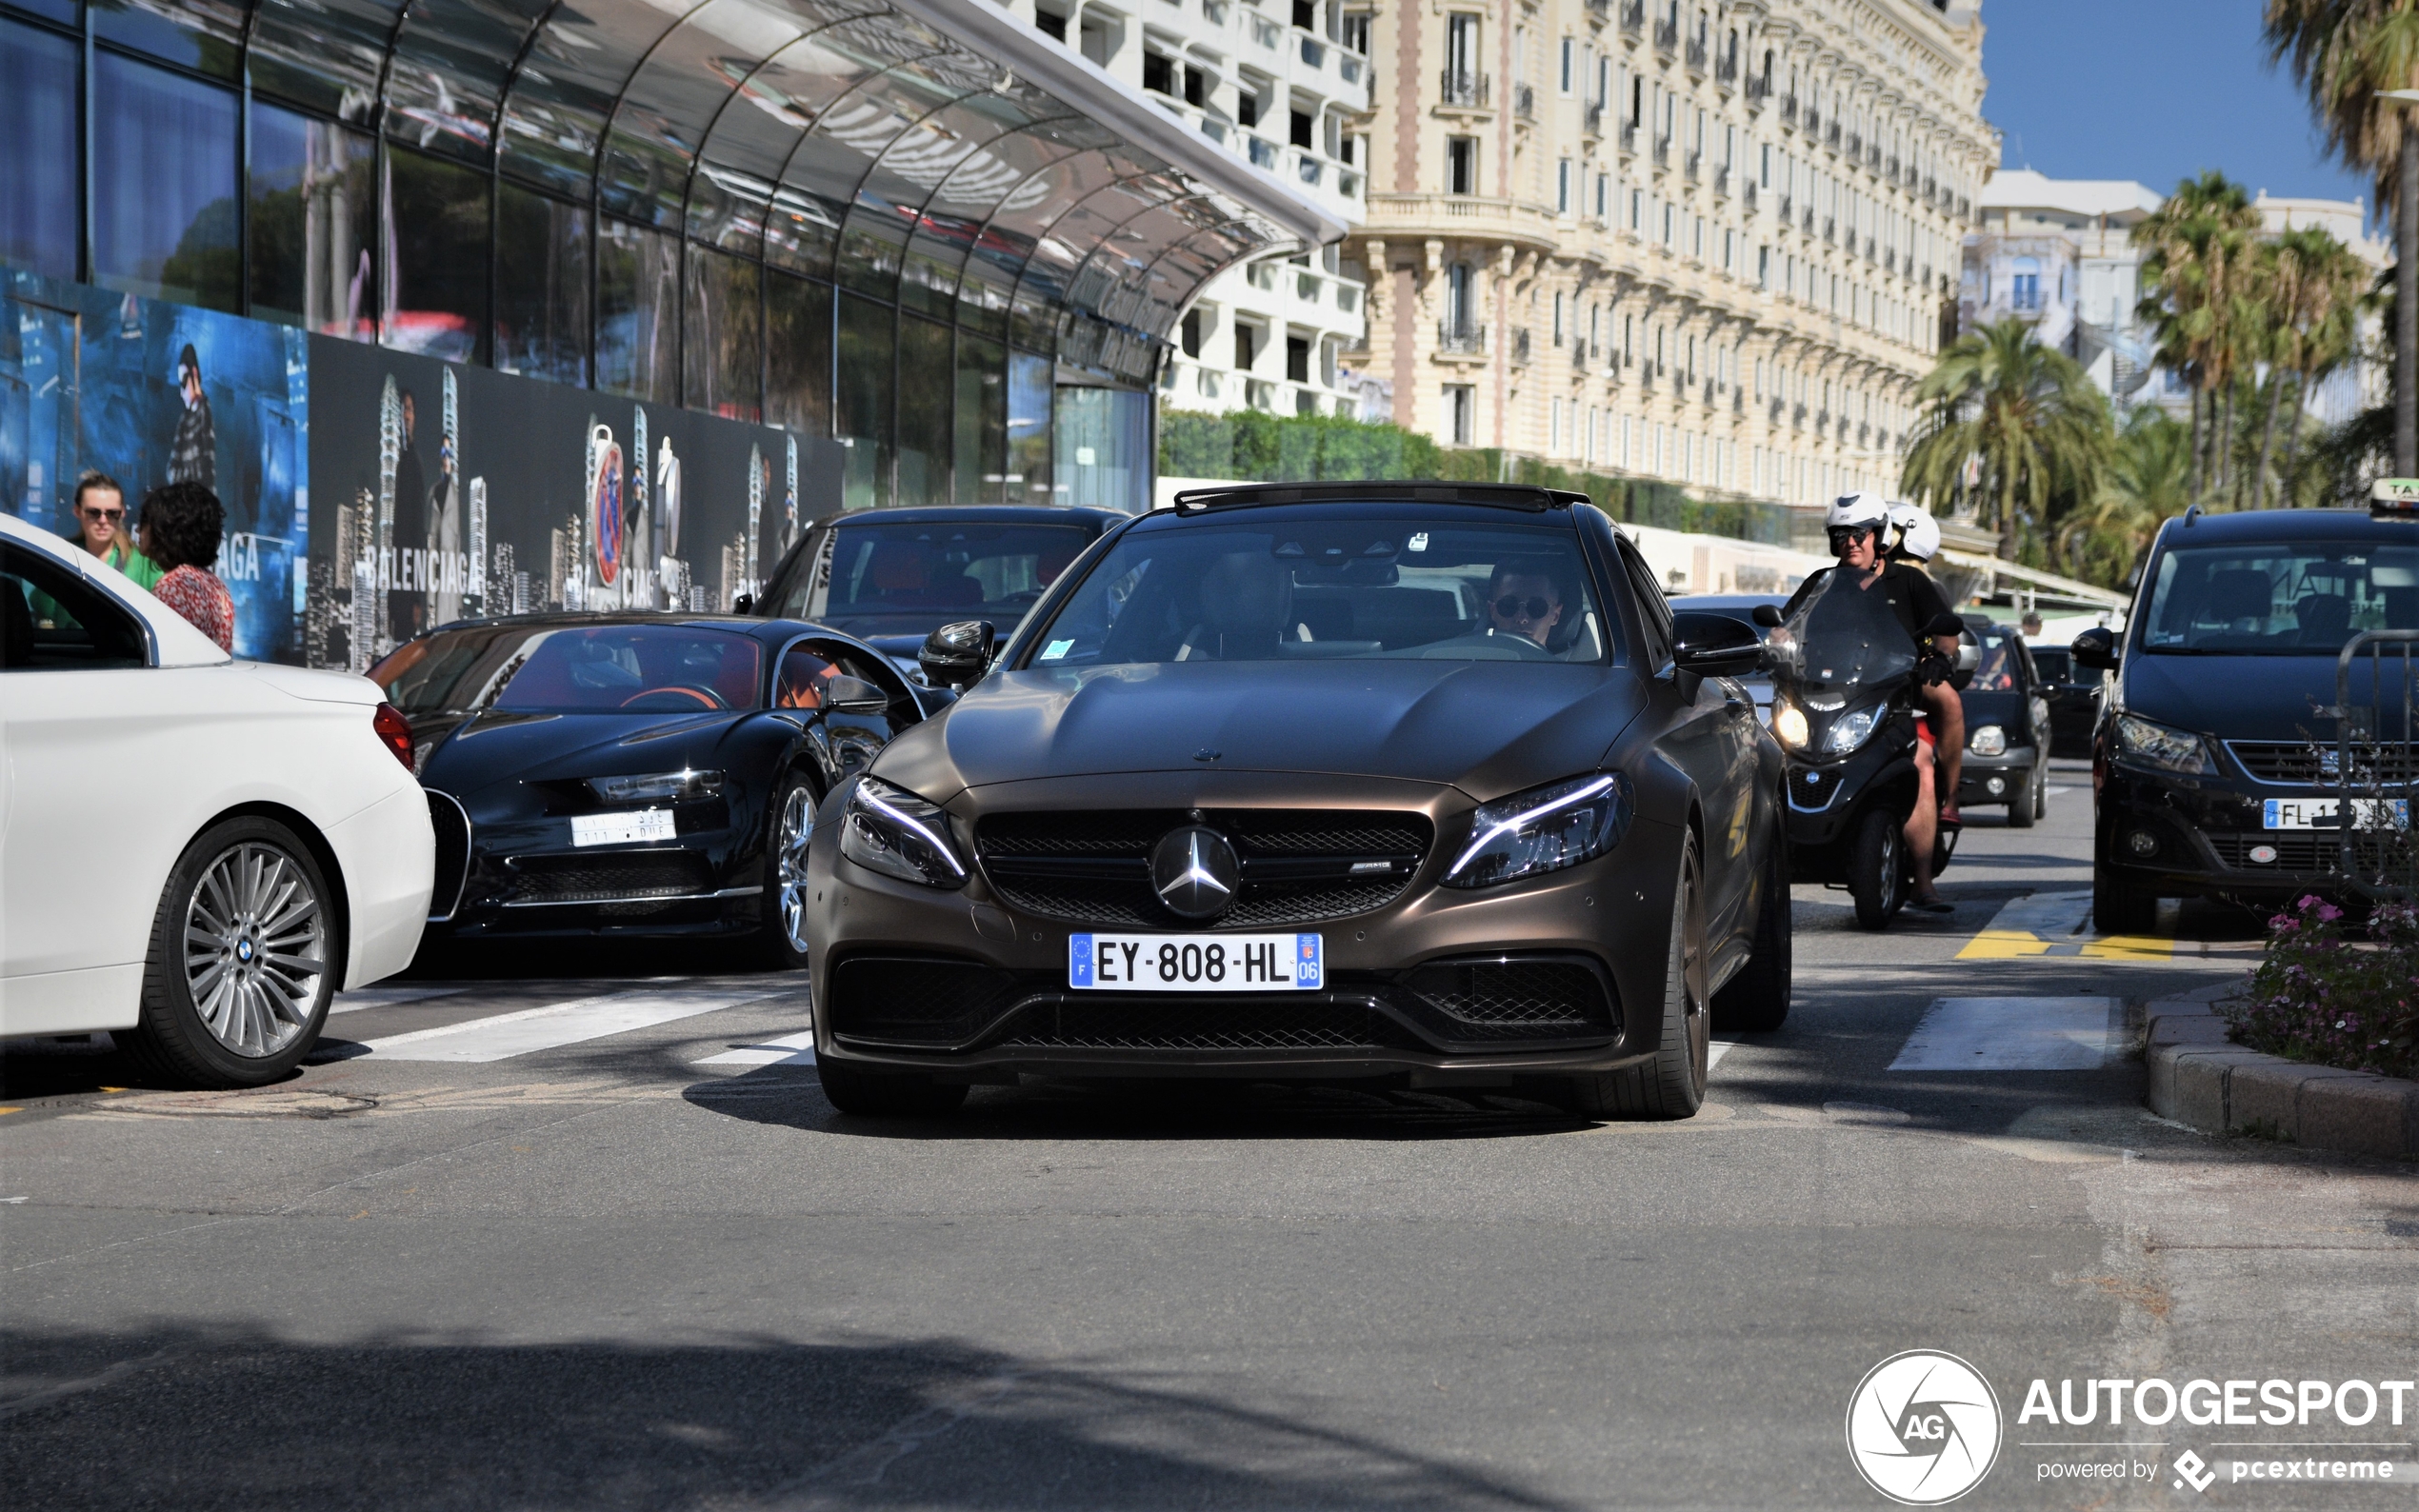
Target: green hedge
x: 1249, y: 446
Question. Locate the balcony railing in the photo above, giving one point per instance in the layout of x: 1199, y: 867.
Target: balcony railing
x: 1747, y: 187
x: 1629, y: 137
x: 1696, y: 55
x: 1601, y: 10
x: 1785, y: 210
x: 1830, y: 136
x: 1855, y: 145
x: 1262, y: 151
x: 1721, y: 180
x: 1314, y: 50
x: 1759, y: 89
x: 1265, y: 31
x: 1667, y: 38
x: 1813, y: 120
x: 1520, y: 344
x: 1727, y: 73
x: 1788, y: 109
x: 1592, y: 120
x: 1633, y: 16
x: 1524, y: 101
x: 1461, y: 340
x: 1663, y: 152
x: 1462, y: 87
x: 1691, y: 165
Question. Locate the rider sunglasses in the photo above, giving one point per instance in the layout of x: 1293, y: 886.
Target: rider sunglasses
x: 1843, y: 535
x: 1512, y: 607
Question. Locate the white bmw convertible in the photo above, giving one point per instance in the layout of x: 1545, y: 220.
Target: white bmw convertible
x: 196, y: 853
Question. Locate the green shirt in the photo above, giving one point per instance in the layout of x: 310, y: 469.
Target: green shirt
x: 144, y: 571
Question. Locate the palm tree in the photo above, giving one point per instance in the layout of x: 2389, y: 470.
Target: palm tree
x: 2037, y: 423
x: 2332, y: 293
x: 2148, y: 480
x: 2343, y: 53
x: 2196, y: 245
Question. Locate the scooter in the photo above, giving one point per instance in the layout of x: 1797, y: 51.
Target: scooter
x: 1845, y: 705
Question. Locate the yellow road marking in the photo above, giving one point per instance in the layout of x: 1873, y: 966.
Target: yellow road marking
x: 2006, y: 945
x: 5, y: 1112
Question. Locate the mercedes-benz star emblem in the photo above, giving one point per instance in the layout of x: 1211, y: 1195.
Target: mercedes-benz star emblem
x: 1195, y: 872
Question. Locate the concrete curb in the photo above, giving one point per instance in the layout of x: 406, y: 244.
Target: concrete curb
x: 2198, y: 1078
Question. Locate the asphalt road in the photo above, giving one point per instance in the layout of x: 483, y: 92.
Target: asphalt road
x: 621, y: 1272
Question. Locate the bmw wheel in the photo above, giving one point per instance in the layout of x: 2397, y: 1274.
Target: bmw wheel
x: 245, y: 958
x: 785, y: 905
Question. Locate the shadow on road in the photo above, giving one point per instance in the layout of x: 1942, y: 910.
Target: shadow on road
x: 402, y: 1423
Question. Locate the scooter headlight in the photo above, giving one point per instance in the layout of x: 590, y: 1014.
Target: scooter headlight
x: 1788, y: 726
x: 1850, y: 731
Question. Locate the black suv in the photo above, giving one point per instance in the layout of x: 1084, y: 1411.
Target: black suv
x: 2210, y: 752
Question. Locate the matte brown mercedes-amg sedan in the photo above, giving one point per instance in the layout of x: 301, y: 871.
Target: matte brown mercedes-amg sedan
x: 1416, y: 781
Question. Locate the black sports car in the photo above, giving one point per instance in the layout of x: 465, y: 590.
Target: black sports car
x: 636, y: 773
x: 894, y: 576
x: 1411, y: 781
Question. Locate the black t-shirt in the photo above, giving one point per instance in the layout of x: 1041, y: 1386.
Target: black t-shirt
x: 1913, y: 597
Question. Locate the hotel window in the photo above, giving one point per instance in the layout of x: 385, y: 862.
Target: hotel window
x: 1562, y: 187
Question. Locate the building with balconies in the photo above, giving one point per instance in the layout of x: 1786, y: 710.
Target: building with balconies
x: 1735, y: 288
x: 1280, y: 84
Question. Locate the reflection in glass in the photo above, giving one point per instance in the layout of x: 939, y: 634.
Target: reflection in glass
x: 723, y: 358
x: 926, y: 380
x: 436, y: 262
x: 541, y: 286
x: 982, y: 421
x: 37, y: 120
x: 328, y: 57
x: 313, y: 223
x: 798, y: 383
x: 1029, y: 404
x: 637, y: 312
x: 861, y: 387
x: 204, y: 35
x: 1102, y: 438
x: 163, y: 184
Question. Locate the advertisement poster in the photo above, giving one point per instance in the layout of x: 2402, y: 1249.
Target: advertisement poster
x: 447, y: 491
x: 152, y: 393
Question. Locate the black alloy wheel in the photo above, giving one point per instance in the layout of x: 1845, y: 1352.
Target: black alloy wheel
x: 1877, y: 868
x: 1757, y: 1000
x: 1669, y: 1084
x: 790, y: 830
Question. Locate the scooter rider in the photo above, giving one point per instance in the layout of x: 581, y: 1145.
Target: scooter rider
x: 1862, y: 534
x: 1918, y: 541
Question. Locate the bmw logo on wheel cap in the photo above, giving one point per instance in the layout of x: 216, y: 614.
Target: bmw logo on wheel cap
x: 1194, y: 871
x: 1923, y: 1427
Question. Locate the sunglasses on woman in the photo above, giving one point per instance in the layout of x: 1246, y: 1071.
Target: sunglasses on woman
x: 1512, y: 607
x: 112, y: 516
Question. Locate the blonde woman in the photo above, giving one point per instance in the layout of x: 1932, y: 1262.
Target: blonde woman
x: 100, y: 521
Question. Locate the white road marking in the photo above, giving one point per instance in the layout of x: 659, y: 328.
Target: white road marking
x: 2055, y: 791
x: 360, y: 998
x: 791, y: 1049
x: 2014, y: 1034
x: 545, y: 1028
x: 1713, y: 1053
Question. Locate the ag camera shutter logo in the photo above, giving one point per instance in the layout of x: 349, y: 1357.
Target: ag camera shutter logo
x: 1923, y: 1427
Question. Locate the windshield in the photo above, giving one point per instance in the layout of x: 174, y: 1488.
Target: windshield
x: 2000, y: 670
x: 2280, y: 598
x: 574, y: 670
x: 1331, y: 589
x: 930, y: 572
x: 1844, y: 637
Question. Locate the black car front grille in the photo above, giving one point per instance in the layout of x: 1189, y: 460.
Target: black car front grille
x: 1297, y: 865
x: 915, y: 1000
x: 631, y: 874
x: 1515, y: 998
x: 2308, y: 764
x: 2309, y: 850
x: 1140, y: 1023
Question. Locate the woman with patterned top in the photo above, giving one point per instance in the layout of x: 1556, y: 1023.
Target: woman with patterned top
x: 180, y: 530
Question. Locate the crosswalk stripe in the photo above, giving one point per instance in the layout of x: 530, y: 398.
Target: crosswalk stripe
x: 2014, y: 1034
x: 1713, y: 1053
x: 360, y: 998
x: 559, y: 1023
x: 789, y: 1050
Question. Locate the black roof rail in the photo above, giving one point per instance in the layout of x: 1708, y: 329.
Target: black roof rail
x: 1424, y: 490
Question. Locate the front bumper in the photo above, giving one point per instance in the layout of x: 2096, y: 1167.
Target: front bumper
x: 1010, y: 1013
x: 2013, y: 767
x: 2205, y: 835
x: 522, y: 877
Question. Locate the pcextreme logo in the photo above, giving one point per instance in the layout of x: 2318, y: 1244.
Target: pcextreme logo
x: 1923, y: 1427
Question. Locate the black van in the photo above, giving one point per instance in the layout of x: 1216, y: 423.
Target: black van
x: 2211, y: 747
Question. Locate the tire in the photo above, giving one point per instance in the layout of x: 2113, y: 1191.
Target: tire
x: 245, y: 957
x: 2119, y: 907
x: 1671, y: 1083
x: 1757, y: 1000
x: 2026, y: 805
x: 1877, y: 868
x: 870, y: 1094
x: 2041, y: 792
x: 788, y: 829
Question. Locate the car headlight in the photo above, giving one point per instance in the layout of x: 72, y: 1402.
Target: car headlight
x: 1988, y: 740
x: 1544, y: 829
x: 890, y: 830
x: 2145, y: 744
x: 1789, y: 724
x: 679, y: 787
x: 1850, y: 731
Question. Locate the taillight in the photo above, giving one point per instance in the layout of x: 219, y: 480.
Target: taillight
x: 394, y: 733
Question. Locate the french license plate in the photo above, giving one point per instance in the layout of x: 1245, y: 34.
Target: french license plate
x: 629, y: 827
x: 1194, y: 963
x: 2327, y: 813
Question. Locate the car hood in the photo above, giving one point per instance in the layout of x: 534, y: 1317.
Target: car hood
x: 463, y: 755
x: 2237, y: 697
x: 1487, y: 728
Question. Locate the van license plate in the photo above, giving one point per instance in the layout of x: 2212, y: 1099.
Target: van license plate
x: 2327, y: 813
x: 1196, y: 962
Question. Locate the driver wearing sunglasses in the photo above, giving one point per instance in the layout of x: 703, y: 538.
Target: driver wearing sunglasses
x: 1523, y: 600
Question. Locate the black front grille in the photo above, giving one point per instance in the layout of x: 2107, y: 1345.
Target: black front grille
x: 915, y: 1000
x: 2307, y: 850
x: 622, y: 874
x: 2304, y: 763
x: 1515, y: 998
x: 1203, y: 1024
x: 1298, y: 865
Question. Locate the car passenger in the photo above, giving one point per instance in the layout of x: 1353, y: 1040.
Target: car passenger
x: 1919, y: 542
x: 1524, y: 601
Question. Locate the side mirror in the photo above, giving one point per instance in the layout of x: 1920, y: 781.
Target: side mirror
x: 743, y: 604
x: 1715, y: 644
x: 2096, y: 648
x: 1768, y: 615
x: 854, y: 695
x: 954, y: 655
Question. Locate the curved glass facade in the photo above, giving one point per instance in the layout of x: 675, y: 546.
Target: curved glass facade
x: 820, y: 215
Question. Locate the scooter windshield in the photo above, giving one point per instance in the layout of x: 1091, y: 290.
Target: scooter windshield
x: 1843, y: 639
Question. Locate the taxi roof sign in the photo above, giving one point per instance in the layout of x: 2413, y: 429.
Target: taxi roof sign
x: 2394, y: 496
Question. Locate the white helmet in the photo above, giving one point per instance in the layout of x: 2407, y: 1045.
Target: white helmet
x: 1918, y: 532
x: 1858, y: 512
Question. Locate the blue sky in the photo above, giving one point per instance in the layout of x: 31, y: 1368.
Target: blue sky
x: 2150, y: 89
